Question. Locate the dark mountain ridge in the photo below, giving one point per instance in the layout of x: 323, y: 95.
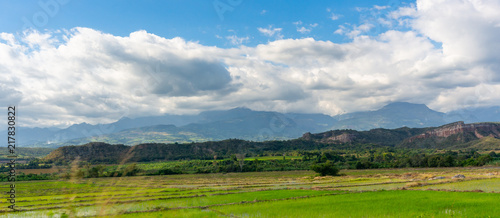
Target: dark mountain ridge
x: 447, y: 136
x: 246, y: 124
x: 450, y: 136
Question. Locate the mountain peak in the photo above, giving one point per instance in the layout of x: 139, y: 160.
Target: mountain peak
x: 124, y: 118
x: 404, y: 106
x: 240, y: 109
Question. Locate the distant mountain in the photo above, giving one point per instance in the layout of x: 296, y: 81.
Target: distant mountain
x: 238, y: 123
x: 149, y: 134
x: 474, y: 115
x: 482, y: 136
x: 394, y: 115
x: 29, y: 136
x: 243, y: 123
x: 450, y: 136
x: 55, y: 137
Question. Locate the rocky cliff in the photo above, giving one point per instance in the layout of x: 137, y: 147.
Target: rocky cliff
x: 388, y: 137
x: 453, y: 135
x: 478, y: 130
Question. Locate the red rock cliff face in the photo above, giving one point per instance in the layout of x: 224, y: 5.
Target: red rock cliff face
x: 330, y: 137
x: 344, y: 138
x: 460, y: 127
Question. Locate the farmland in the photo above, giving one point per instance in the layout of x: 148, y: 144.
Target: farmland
x: 357, y: 193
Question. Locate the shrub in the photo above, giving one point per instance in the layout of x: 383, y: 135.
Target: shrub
x: 324, y: 169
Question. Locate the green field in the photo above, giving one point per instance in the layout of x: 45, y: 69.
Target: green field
x: 358, y: 193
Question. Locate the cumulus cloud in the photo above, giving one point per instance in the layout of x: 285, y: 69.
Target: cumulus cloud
x: 378, y: 7
x: 92, y: 73
x: 334, y: 16
x: 83, y: 75
x: 235, y: 40
x: 271, y: 32
x: 303, y: 29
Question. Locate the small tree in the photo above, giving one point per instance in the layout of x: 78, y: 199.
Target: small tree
x: 131, y: 170
x: 241, y: 160
x: 324, y: 169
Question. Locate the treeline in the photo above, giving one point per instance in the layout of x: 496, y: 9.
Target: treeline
x: 229, y: 156
x: 95, y: 171
x: 416, y: 159
x: 190, y: 167
x: 26, y: 153
x: 29, y: 177
x: 316, y: 160
x: 102, y: 153
x: 33, y: 163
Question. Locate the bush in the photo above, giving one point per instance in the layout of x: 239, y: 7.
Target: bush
x: 131, y: 170
x: 169, y: 171
x: 324, y: 169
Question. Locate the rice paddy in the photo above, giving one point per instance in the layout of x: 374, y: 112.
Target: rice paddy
x: 358, y: 193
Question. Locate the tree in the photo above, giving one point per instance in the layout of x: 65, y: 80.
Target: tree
x: 131, y: 170
x: 493, y: 154
x: 484, y: 159
x: 241, y: 160
x: 324, y: 169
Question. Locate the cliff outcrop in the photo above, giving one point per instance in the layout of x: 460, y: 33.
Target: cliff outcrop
x: 453, y: 135
x: 478, y: 130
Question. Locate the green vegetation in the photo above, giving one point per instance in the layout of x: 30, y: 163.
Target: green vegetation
x: 265, y: 194
x: 324, y: 161
x: 359, y: 178
x: 25, y: 153
x: 375, y: 204
x: 325, y: 169
x: 29, y: 177
x: 358, y: 155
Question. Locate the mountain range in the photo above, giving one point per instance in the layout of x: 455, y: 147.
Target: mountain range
x: 246, y: 124
x: 453, y: 136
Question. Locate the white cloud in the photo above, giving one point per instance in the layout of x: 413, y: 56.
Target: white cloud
x: 380, y: 7
x: 302, y: 29
x: 271, y: 32
x: 334, y: 16
x: 403, y: 12
x: 235, y: 40
x: 83, y: 75
x: 354, y: 31
x: 341, y: 30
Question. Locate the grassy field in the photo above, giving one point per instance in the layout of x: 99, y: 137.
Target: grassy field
x: 358, y: 193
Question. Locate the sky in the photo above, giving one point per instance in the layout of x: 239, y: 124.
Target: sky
x: 64, y: 62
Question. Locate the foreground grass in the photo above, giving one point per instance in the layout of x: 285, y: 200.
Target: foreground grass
x: 485, y: 185
x: 377, y: 204
x: 266, y: 194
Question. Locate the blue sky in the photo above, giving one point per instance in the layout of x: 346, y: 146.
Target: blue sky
x: 98, y: 61
x: 209, y: 22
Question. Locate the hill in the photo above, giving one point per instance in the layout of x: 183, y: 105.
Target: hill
x: 97, y: 152
x: 482, y: 136
x: 449, y: 136
x: 240, y: 123
x: 394, y: 115
x: 246, y: 124
x: 455, y: 135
